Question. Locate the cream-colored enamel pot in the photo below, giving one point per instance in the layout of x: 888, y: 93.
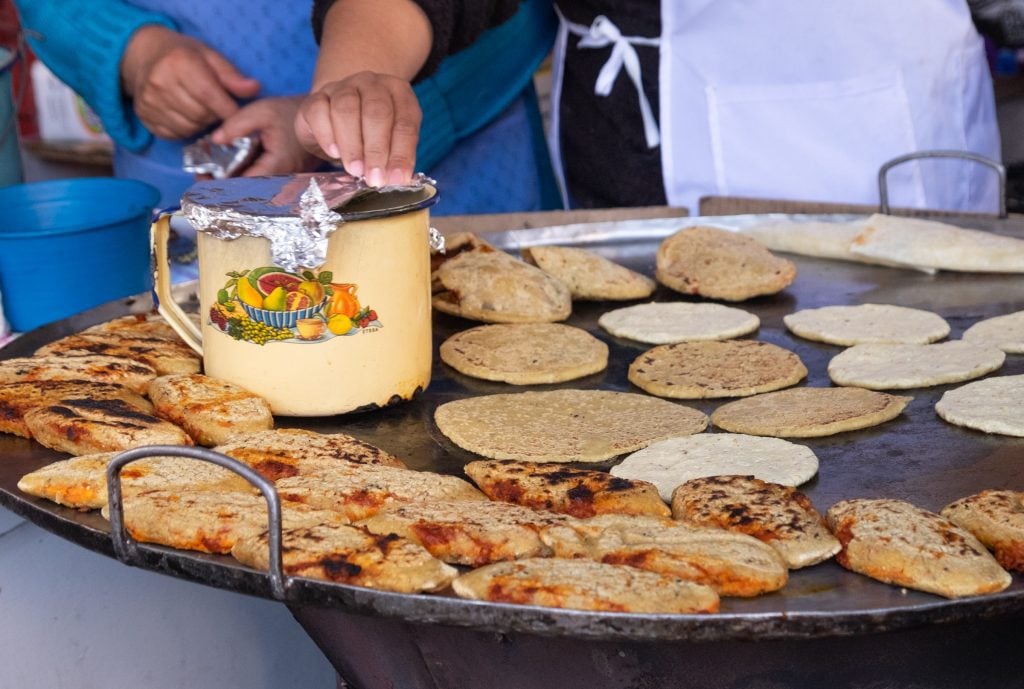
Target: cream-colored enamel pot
x: 353, y: 334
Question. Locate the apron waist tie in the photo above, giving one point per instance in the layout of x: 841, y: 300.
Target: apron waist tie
x: 603, y: 33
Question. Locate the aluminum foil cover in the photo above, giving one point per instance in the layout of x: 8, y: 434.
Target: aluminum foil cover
x: 203, y: 157
x: 297, y: 213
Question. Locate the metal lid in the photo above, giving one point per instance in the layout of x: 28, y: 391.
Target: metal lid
x: 297, y: 213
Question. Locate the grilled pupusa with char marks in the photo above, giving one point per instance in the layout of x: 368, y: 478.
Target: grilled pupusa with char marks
x: 165, y: 356
x: 996, y: 518
x: 17, y: 399
x: 732, y: 564
x: 133, y: 375
x: 287, y: 452
x: 85, y: 426
x: 567, y: 490
x: 898, y: 543
x: 211, y: 411
x: 585, y: 585
x: 781, y: 516
x: 350, y: 555
x: 467, y: 532
x: 81, y: 482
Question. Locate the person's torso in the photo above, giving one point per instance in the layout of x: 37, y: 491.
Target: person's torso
x: 778, y: 98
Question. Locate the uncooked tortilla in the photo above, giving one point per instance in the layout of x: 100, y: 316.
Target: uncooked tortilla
x: 678, y: 321
x: 670, y: 463
x: 903, y: 366
x: 867, y: 324
x: 993, y: 405
x: 1005, y: 332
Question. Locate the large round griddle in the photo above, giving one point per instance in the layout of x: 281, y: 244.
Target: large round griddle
x: 916, y: 457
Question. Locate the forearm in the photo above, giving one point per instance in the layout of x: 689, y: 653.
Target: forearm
x: 385, y: 36
x: 454, y: 25
x: 82, y: 42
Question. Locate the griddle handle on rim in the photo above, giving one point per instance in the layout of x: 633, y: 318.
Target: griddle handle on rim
x: 127, y: 549
x: 883, y: 172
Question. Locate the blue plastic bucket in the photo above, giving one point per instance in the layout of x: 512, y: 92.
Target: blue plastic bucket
x: 68, y: 245
x: 10, y: 157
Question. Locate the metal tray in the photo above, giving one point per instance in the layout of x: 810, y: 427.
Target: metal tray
x: 916, y: 457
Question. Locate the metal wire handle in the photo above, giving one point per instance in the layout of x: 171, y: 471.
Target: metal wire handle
x: 883, y: 185
x: 127, y: 549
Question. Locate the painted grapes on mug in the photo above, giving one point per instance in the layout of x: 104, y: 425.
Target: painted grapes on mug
x: 269, y: 304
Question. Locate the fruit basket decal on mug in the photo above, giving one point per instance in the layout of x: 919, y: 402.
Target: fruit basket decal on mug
x: 269, y: 304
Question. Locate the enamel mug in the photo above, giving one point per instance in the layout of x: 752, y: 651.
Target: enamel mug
x: 345, y: 329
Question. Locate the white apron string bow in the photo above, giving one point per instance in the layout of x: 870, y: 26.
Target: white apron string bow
x: 603, y: 33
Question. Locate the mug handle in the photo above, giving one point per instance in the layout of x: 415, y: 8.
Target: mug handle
x: 166, y: 305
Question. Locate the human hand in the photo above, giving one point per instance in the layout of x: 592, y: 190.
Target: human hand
x: 178, y: 85
x: 271, y: 119
x: 369, y: 121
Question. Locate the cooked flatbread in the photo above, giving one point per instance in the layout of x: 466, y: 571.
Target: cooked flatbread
x: 210, y: 410
x: 719, y: 264
x: 525, y: 353
x: 700, y: 370
x: 364, y: 489
x: 898, y: 543
x: 87, y: 426
x: 672, y: 462
x: 470, y: 533
x: 491, y: 286
x: 563, y: 425
x: 146, y: 325
x: 996, y: 518
x: 993, y: 405
x: 779, y: 515
x: 209, y: 521
x: 903, y: 366
x: 733, y: 564
x: 93, y: 368
x: 817, y: 238
x: 165, y: 356
x: 81, y: 482
x: 678, y: 321
x: 867, y: 324
x: 567, y: 490
x: 589, y: 275
x: 1005, y: 332
x: 808, y: 412
x: 934, y: 244
x: 344, y: 554
x: 584, y: 585
x: 288, y: 452
x: 17, y: 399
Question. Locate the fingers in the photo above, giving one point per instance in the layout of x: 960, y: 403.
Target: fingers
x: 270, y: 118
x: 313, y: 127
x: 369, y: 121
x: 233, y: 81
x: 243, y: 122
x: 405, y: 134
x: 185, y: 88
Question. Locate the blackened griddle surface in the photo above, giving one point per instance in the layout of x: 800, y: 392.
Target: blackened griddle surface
x: 916, y: 457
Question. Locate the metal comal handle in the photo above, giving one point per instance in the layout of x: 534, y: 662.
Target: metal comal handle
x: 883, y: 185
x: 127, y: 549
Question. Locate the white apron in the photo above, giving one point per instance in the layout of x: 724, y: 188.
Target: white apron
x: 806, y: 100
